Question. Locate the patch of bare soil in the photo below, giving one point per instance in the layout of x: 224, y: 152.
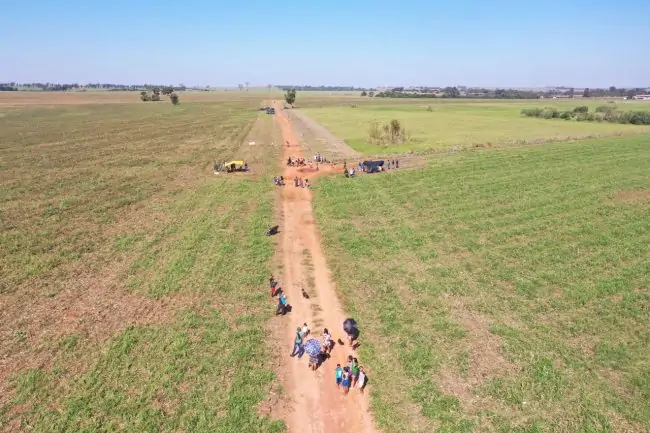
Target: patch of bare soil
x: 91, y: 306
x: 313, y: 401
x: 485, y: 358
x: 633, y: 196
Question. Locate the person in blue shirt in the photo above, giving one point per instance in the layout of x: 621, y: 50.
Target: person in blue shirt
x: 298, y: 348
x: 339, y: 375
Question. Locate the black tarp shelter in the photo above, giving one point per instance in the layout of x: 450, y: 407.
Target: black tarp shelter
x: 372, y: 166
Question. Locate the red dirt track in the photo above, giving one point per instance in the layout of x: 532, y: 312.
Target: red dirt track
x: 317, y: 405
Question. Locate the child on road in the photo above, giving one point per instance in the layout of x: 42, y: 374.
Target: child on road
x: 339, y: 375
x: 345, y: 380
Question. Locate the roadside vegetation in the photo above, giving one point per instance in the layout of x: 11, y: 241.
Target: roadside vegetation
x: 503, y: 290
x: 603, y: 113
x: 130, y: 274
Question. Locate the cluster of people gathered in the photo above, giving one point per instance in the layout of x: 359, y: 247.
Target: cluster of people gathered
x: 349, y: 376
x: 278, y: 180
x: 299, y: 182
x: 292, y: 161
x: 318, y: 158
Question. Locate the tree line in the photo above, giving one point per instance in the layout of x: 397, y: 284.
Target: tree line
x: 284, y: 88
x: 604, y: 113
x: 482, y: 93
x: 59, y: 87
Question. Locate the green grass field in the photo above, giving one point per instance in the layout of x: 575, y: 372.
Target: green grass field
x: 458, y: 123
x: 505, y: 290
x: 130, y: 273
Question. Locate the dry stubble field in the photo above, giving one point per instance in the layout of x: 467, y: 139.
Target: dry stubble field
x: 129, y: 272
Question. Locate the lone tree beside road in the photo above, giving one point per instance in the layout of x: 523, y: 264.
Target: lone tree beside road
x: 290, y: 96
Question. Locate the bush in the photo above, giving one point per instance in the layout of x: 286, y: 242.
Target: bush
x: 550, y: 113
x: 532, y: 112
x: 566, y: 115
x: 173, y: 97
x: 640, y: 118
x: 429, y: 108
x: 388, y: 133
x: 605, y: 109
x: 581, y: 109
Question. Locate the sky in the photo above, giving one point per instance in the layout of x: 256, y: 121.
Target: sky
x: 368, y: 43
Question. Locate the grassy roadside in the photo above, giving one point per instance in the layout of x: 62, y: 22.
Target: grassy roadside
x: 157, y: 321
x: 504, y: 290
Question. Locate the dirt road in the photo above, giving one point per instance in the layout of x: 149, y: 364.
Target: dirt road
x: 317, y: 405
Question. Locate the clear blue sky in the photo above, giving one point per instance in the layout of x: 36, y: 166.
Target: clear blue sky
x: 355, y: 42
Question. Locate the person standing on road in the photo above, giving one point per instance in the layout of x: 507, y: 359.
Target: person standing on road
x: 345, y: 380
x: 304, y: 330
x: 355, y: 371
x: 327, y: 341
x: 339, y: 375
x: 298, y: 348
x: 362, y: 379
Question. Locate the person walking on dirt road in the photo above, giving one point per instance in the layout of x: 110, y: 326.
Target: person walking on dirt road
x: 298, y: 348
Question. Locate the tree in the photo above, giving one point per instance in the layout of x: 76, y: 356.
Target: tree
x: 247, y: 83
x: 290, y: 96
x: 241, y: 87
x: 371, y: 94
x: 451, y: 92
x: 173, y: 97
x: 571, y: 92
x: 144, y: 96
x: 364, y: 93
x: 612, y: 89
x: 586, y: 93
x: 167, y: 90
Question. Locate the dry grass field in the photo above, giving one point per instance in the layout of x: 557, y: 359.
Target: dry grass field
x: 128, y: 271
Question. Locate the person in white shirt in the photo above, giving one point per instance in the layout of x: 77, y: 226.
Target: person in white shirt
x: 327, y: 341
x: 304, y: 330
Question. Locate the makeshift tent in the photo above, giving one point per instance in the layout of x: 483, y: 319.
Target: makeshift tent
x: 235, y: 166
x: 372, y: 166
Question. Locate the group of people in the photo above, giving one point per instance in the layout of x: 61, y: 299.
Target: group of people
x: 299, y: 182
x: 351, y: 375
x: 278, y: 180
x: 296, y: 162
x: 318, y: 158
